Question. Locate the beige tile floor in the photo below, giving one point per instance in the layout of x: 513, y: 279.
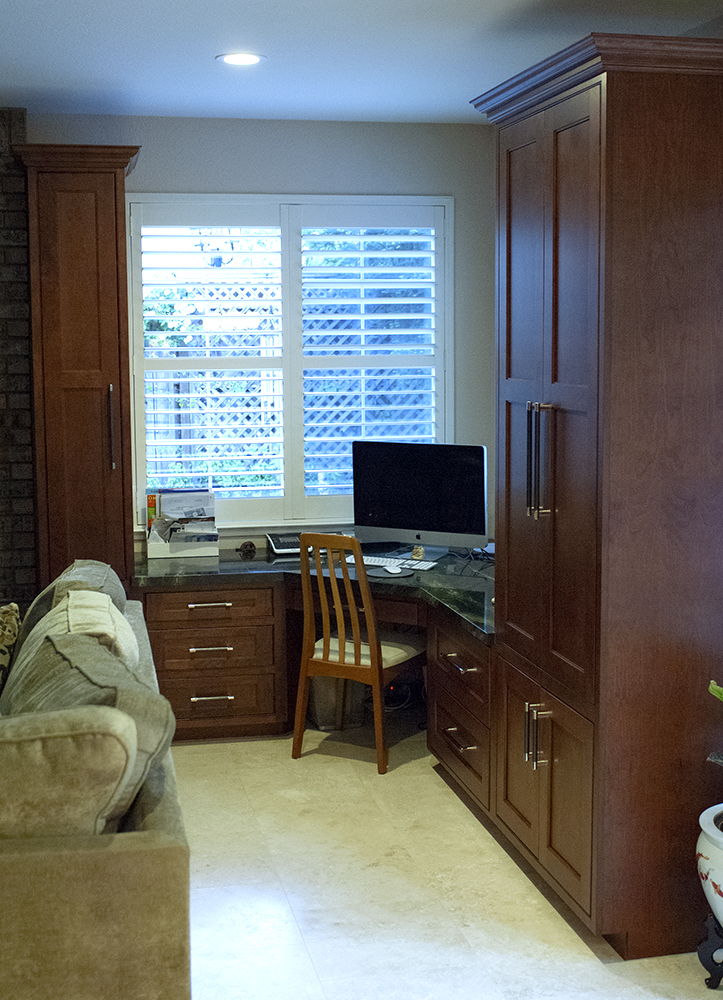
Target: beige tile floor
x: 319, y: 879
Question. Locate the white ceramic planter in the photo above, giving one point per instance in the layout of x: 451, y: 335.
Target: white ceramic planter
x: 709, y: 853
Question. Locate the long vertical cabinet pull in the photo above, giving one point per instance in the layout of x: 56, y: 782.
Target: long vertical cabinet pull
x: 536, y: 716
x: 530, y: 407
x: 111, y: 425
x: 539, y: 508
x: 534, y: 460
x: 530, y: 708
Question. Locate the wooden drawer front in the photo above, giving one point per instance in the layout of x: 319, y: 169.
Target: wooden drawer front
x: 462, y: 743
x: 208, y: 607
x: 203, y: 649
x: 386, y: 609
x: 396, y: 612
x: 229, y: 697
x: 465, y: 673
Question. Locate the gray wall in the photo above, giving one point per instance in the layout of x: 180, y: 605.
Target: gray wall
x: 204, y: 155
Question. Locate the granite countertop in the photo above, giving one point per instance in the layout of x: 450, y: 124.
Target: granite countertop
x: 462, y: 586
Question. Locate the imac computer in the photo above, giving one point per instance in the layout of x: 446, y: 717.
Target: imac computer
x: 434, y: 495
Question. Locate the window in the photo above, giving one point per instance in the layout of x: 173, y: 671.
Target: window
x: 267, y: 334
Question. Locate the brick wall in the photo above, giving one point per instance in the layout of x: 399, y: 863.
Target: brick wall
x: 17, y: 483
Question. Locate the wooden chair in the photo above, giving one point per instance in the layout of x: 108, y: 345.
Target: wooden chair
x: 349, y: 647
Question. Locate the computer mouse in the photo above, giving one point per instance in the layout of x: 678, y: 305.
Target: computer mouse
x: 393, y: 569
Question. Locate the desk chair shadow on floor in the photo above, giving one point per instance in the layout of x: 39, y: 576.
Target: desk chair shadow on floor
x: 349, y: 647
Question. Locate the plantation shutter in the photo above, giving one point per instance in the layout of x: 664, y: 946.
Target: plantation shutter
x: 270, y: 334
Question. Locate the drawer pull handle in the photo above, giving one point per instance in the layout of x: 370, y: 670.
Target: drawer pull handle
x: 459, y: 666
x: 214, y: 697
x: 209, y: 649
x: 458, y: 746
x: 213, y: 604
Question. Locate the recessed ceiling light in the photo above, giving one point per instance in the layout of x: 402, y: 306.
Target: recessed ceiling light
x: 240, y: 58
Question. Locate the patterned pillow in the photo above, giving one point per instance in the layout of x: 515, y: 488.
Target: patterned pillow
x: 9, y: 624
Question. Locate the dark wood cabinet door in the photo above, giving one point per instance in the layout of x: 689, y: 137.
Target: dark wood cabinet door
x: 549, y: 252
x: 569, y: 465
x: 565, y: 774
x: 518, y: 798
x: 519, y: 607
x: 80, y: 355
x: 87, y: 506
x: 545, y: 780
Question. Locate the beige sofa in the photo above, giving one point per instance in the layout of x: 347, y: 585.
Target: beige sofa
x: 94, y: 862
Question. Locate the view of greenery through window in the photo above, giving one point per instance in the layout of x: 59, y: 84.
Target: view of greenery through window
x: 225, y: 343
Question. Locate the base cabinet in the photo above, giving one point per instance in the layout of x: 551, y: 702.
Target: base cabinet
x: 220, y: 659
x: 545, y: 780
x: 522, y: 754
x: 458, y: 698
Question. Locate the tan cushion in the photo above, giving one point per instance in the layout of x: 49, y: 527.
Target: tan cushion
x: 71, y: 669
x: 89, y: 613
x: 64, y: 773
x: 83, y: 574
x: 392, y: 652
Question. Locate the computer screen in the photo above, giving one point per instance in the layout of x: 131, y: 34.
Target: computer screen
x: 422, y: 494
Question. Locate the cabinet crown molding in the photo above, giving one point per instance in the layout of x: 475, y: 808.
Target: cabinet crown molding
x: 599, y: 53
x: 51, y: 156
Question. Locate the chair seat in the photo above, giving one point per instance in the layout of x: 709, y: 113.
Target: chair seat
x: 392, y: 652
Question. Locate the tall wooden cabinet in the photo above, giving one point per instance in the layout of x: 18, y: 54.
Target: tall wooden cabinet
x: 609, y: 576
x: 76, y: 197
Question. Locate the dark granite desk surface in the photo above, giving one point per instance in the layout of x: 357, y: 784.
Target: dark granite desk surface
x: 466, y: 588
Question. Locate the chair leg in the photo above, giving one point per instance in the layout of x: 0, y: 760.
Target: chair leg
x: 302, y: 700
x: 378, y: 701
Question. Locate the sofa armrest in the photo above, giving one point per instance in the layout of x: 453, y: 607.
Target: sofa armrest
x: 90, y: 917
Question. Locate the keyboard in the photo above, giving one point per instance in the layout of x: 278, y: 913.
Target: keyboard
x: 391, y: 561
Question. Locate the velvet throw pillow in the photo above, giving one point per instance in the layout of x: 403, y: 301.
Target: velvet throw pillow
x: 9, y: 624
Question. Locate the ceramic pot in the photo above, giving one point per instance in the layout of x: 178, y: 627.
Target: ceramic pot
x: 709, y: 853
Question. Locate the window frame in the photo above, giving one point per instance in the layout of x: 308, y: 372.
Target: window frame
x: 291, y: 213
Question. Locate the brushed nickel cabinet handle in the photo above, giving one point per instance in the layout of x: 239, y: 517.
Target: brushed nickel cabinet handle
x: 452, y: 657
x: 536, y: 716
x: 528, y: 500
x: 529, y: 706
x: 537, y: 508
x: 209, y: 649
x: 111, y: 426
x: 457, y: 746
x: 214, y: 697
x: 213, y: 604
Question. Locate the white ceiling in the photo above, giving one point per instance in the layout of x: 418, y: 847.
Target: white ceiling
x: 378, y: 60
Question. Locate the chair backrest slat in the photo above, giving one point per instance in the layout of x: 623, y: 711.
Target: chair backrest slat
x: 343, y: 611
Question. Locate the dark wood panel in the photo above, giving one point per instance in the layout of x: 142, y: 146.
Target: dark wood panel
x: 521, y: 252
